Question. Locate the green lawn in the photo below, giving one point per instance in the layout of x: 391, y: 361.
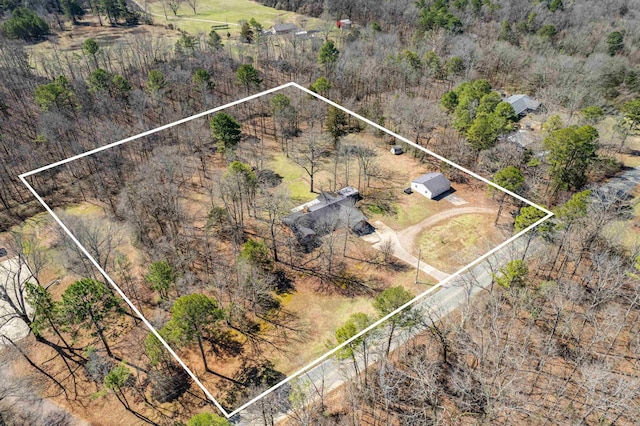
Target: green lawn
x: 214, y: 12
x: 415, y: 211
x: 85, y: 209
x: 294, y: 177
x: 408, y: 210
x: 623, y: 232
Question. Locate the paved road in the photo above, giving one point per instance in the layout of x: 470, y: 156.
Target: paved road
x: 619, y: 186
x: 12, y: 277
x: 331, y: 374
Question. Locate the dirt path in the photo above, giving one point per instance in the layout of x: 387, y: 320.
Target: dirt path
x: 408, y: 235
x: 404, y: 241
x: 384, y: 233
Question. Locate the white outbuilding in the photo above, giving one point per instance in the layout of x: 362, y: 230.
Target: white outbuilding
x: 396, y: 150
x: 431, y: 184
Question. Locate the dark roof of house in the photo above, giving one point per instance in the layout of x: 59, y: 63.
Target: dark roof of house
x: 435, y: 182
x: 332, y: 210
x: 522, y: 103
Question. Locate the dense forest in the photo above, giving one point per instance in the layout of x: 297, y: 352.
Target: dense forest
x: 188, y: 220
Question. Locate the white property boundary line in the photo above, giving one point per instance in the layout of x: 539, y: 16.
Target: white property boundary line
x: 337, y: 348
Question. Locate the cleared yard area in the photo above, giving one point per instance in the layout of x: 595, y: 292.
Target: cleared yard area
x: 323, y: 314
x: 413, y: 209
x: 458, y: 241
x: 293, y: 176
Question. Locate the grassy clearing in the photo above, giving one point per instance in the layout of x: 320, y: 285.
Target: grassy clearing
x: 293, y: 177
x: 626, y: 232
x: 111, y: 39
x: 323, y: 315
x: 452, y: 245
x: 217, y: 12
x: 85, y: 209
x: 408, y: 210
x: 606, y: 129
x: 72, y: 38
x: 415, y: 211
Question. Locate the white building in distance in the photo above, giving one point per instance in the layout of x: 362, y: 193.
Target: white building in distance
x: 431, y: 185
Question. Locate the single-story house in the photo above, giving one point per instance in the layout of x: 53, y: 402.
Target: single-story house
x: 397, y: 149
x: 278, y: 29
x: 431, y: 184
x: 523, y: 104
x: 344, y: 24
x: 328, y: 212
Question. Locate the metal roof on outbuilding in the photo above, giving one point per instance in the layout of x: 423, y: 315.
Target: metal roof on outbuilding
x: 435, y: 182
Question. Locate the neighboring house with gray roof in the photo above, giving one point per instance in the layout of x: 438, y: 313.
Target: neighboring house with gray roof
x: 523, y: 104
x: 328, y: 212
x: 283, y: 29
x: 431, y: 185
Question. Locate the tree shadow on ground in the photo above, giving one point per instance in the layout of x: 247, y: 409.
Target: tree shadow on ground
x: 253, y: 374
x: 224, y: 344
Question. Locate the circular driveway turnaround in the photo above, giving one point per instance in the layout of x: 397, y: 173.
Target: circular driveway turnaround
x: 403, y: 241
x: 408, y: 235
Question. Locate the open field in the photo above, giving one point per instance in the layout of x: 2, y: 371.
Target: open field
x: 107, y: 36
x: 220, y: 12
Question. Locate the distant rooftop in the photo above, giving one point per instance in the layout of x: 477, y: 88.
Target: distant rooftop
x: 522, y: 103
x: 283, y: 28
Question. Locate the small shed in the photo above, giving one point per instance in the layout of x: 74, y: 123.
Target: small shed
x: 344, y: 24
x: 431, y: 184
x: 523, y: 104
x: 283, y: 29
x: 397, y: 149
